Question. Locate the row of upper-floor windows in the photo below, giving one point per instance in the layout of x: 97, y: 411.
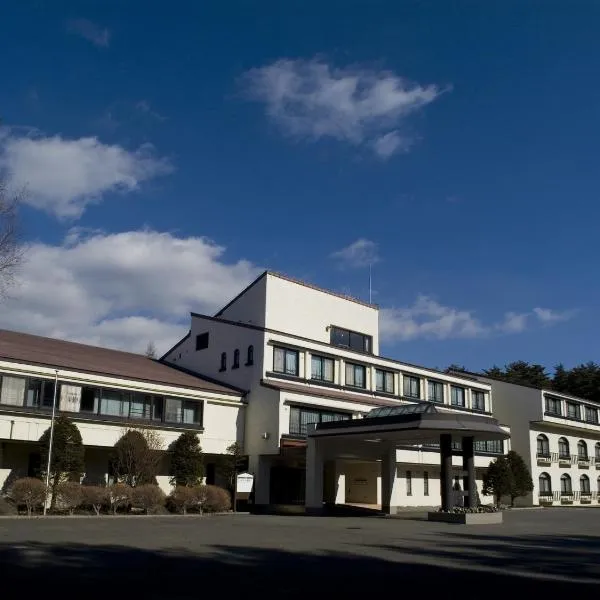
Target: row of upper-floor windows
x: 39, y: 393
x: 566, y: 485
x: 236, y: 358
x: 572, y: 410
x: 287, y: 361
x: 564, y: 449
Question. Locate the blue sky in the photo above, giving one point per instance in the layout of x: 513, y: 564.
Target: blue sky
x: 169, y: 157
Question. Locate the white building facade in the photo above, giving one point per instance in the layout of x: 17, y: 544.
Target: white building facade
x: 305, y: 355
x: 559, y: 438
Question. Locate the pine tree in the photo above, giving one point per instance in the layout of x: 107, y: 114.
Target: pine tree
x: 498, y: 479
x: 136, y: 457
x: 187, y: 460
x: 522, y: 483
x: 67, y: 460
x: 560, y: 381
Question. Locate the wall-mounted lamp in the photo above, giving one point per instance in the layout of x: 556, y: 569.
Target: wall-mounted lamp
x: 266, y: 435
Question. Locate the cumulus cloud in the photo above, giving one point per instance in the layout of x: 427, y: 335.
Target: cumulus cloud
x: 360, y: 253
x: 426, y: 318
x: 123, y: 289
x: 549, y: 316
x: 311, y: 99
x: 99, y: 36
x: 62, y: 176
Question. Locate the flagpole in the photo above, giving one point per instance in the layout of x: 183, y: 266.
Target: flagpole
x: 51, y: 440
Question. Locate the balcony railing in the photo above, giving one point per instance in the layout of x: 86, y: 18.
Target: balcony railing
x: 566, y: 459
x: 544, y: 458
x: 584, y: 462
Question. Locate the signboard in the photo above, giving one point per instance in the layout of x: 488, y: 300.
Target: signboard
x: 245, y: 482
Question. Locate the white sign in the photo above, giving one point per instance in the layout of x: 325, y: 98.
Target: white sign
x: 244, y: 482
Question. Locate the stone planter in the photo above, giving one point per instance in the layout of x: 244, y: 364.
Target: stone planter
x: 466, y: 518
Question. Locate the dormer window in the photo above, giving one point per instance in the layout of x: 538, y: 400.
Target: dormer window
x: 344, y: 338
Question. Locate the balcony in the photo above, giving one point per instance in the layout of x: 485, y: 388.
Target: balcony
x: 583, y: 462
x: 544, y: 458
x: 546, y: 498
x: 585, y: 497
x: 567, y: 497
x: 565, y: 460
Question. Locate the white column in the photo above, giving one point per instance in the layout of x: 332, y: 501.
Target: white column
x: 340, y: 475
x: 389, y: 482
x: 314, y: 475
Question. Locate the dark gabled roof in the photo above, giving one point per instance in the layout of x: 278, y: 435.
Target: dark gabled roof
x: 60, y: 354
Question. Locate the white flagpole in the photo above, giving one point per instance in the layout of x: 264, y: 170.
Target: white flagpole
x: 51, y: 440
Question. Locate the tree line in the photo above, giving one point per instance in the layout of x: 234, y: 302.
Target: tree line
x: 582, y: 380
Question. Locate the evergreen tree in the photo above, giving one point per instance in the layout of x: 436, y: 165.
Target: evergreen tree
x: 136, y: 457
x: 522, y: 483
x: 187, y: 460
x: 498, y: 479
x: 67, y: 460
x: 231, y: 466
x: 560, y: 381
x: 522, y: 373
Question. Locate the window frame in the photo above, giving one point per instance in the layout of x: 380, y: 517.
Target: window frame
x: 475, y: 403
x: 566, y: 485
x: 354, y: 367
x: 582, y: 446
x: 591, y: 410
x: 250, y: 355
x: 425, y: 483
x: 432, y: 398
x: 550, y: 400
x: 286, y: 351
x: 201, y: 344
x: 316, y: 409
x: 410, y: 379
x: 236, y: 359
x: 542, y: 446
x: 223, y: 366
x: 409, y: 483
x: 584, y: 482
x: 464, y: 396
x: 577, y: 408
x: 385, y: 373
x: 367, y: 340
x: 564, y: 443
x: 322, y: 359
x: 546, y: 488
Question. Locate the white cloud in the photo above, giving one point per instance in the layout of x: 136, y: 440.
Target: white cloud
x: 62, y: 176
x: 549, y: 316
x: 312, y: 99
x: 429, y: 319
x: 99, y: 36
x: 360, y: 253
x: 122, y: 290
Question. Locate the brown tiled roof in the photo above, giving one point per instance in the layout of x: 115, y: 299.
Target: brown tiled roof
x: 49, y: 352
x: 323, y: 392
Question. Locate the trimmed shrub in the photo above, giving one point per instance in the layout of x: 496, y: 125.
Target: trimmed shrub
x: 28, y: 491
x: 147, y: 497
x: 69, y: 495
x: 185, y: 498
x: 7, y: 508
x: 217, y: 499
x: 95, y: 496
x: 119, y: 495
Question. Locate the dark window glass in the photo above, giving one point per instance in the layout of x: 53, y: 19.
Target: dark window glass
x: 355, y: 375
x: 250, y: 357
x: 141, y: 406
x: 384, y: 381
x: 591, y: 414
x: 158, y: 408
x: 236, y: 359
x: 201, y: 341
x: 89, y: 400
x: 114, y: 403
x: 582, y: 451
x: 545, y: 484
x: 425, y: 483
x: 435, y: 391
x: 408, y: 483
x: 563, y: 448
x: 48, y: 393
x: 173, y: 410
x: 33, y: 397
x: 300, y: 418
x: 411, y: 386
x: 584, y: 484
x: 543, y: 447
x: 478, y: 400
x: 321, y: 368
x: 340, y: 337
x: 350, y: 339
x: 285, y: 361
x: 223, y: 361
x: 553, y: 406
x: 457, y: 396
x: 192, y: 411
x: 565, y: 484
x: 573, y: 410
x: 597, y: 451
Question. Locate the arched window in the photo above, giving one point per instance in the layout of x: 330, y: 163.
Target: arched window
x: 250, y: 360
x: 598, y: 452
x: 563, y: 448
x: 582, y: 452
x: 236, y: 359
x: 565, y: 484
x: 223, y: 361
x: 545, y: 484
x: 543, y: 446
x: 584, y: 484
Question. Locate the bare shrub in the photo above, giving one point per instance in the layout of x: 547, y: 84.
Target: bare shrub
x: 147, y: 497
x: 69, y: 495
x: 119, y: 495
x: 28, y: 491
x: 95, y: 496
x: 185, y: 498
x: 217, y: 499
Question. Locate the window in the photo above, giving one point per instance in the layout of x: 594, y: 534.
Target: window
x: 563, y: 448
x: 192, y: 411
x: 12, y: 390
x: 250, y: 356
x: 545, y: 484
x: 543, y: 446
x: 355, y: 375
x: 350, y: 339
x: 582, y: 452
x: 301, y: 417
x: 425, y: 483
x: 553, y: 406
x: 435, y: 391
x: 565, y: 485
x: 573, y: 410
x: 411, y: 387
x: 285, y: 361
x: 158, y: 408
x: 584, y: 484
x: 114, y: 403
x: 321, y: 368
x: 90, y: 399
x: 591, y: 414
x: 477, y: 400
x: 408, y: 483
x: 597, y: 452
x: 201, y: 341
x: 236, y: 359
x: 141, y: 406
x: 384, y: 381
x: 490, y: 446
x: 457, y: 396
x: 223, y: 366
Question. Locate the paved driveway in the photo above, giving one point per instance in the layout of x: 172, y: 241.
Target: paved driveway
x: 555, y: 552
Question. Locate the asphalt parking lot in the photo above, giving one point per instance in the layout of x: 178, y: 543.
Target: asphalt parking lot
x: 554, y: 552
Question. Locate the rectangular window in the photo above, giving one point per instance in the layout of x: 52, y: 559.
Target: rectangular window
x: 573, y: 410
x: 33, y: 399
x: 173, y: 410
x: 411, y: 386
x: 321, y: 368
x: 141, y: 406
x: 384, y: 381
x: 48, y: 392
x: 425, y: 483
x: 553, y: 406
x: 202, y: 341
x: 477, y: 400
x: 408, y: 483
x: 355, y: 375
x: 12, y: 391
x: 285, y: 361
x: 158, y: 408
x: 457, y: 396
x: 191, y: 412
x: 301, y: 417
x: 345, y: 338
x: 435, y: 391
x: 114, y: 403
x: 89, y: 400
x: 591, y: 414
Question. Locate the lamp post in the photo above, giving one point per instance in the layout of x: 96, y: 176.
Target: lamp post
x: 51, y: 440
